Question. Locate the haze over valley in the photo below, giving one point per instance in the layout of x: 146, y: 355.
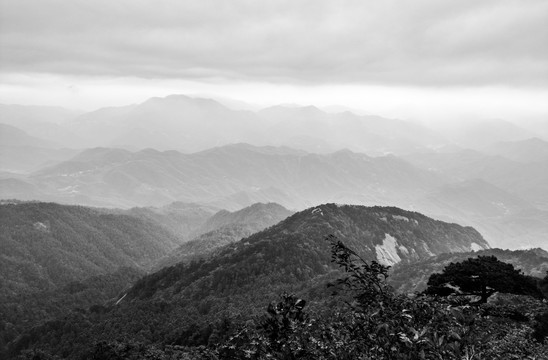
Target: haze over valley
x: 196, y: 150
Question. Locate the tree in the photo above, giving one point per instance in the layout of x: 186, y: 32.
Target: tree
x: 543, y: 286
x: 481, y: 276
x: 368, y: 321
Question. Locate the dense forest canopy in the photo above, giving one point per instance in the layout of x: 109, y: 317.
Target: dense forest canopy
x: 359, y: 316
x: 212, y: 305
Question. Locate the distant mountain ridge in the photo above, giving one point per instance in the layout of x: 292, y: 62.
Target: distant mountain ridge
x: 23, y: 153
x: 289, y: 154
x: 506, y: 200
x: 475, y: 134
x: 182, y: 219
x: 13, y: 136
x: 527, y: 180
x: 192, y: 124
x: 45, y: 122
x: 258, y: 215
x: 224, y: 228
x: 502, y: 198
x: 529, y: 150
x: 225, y: 176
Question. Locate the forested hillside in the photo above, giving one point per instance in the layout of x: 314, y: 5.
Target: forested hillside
x: 46, y: 245
x: 257, y: 216
x: 58, y: 259
x: 226, y: 227
x: 20, y: 313
x: 295, y: 250
x: 198, y: 303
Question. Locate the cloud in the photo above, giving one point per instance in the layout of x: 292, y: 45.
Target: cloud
x: 302, y: 42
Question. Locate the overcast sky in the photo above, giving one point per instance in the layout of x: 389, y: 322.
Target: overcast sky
x: 400, y: 58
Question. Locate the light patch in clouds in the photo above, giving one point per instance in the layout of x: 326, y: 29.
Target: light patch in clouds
x: 415, y: 43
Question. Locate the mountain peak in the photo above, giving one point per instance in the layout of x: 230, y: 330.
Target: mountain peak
x: 255, y: 213
x: 181, y: 100
x: 386, y: 234
x: 295, y: 250
x: 293, y: 110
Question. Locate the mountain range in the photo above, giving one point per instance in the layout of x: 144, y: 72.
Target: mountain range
x: 56, y: 258
x: 67, y: 277
x: 296, y: 251
x: 489, y: 174
x: 179, y: 303
x: 223, y: 176
x: 501, y: 197
x: 23, y: 153
x: 191, y: 124
x: 179, y: 122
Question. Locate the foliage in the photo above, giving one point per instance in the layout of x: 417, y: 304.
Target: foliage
x: 202, y: 310
x: 374, y: 324
x: 543, y: 286
x: 46, y: 245
x: 413, y: 277
x: 398, y: 327
x: 184, y: 304
x: 482, y: 276
x: 19, y: 314
x: 105, y: 350
x: 541, y: 327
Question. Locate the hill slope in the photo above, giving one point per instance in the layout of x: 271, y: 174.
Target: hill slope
x: 20, y: 313
x: 295, y: 251
x: 187, y: 303
x: 529, y: 150
x: 227, y: 227
x: 45, y: 245
x: 184, y: 220
x: 257, y: 216
x: 13, y: 136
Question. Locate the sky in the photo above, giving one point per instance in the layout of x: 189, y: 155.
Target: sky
x: 430, y: 59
